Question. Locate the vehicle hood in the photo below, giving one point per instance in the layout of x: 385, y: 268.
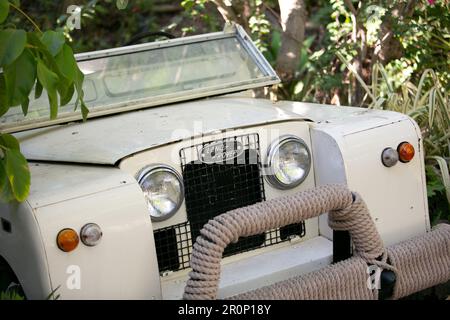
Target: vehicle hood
x: 109, y: 139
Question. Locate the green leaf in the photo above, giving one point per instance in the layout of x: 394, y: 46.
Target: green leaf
x: 68, y: 96
x: 63, y: 87
x: 66, y: 62
x: 50, y: 62
x: 4, y: 10
x: 4, y: 105
x: 54, y: 41
x: 25, y: 104
x: 9, y: 142
x: 79, y: 78
x: 49, y: 81
x: 35, y: 40
x: 18, y: 174
x: 84, y: 110
x: 12, y: 44
x: 6, y: 194
x: 38, y: 89
x: 20, y: 77
x: 276, y: 43
x: 11, y: 294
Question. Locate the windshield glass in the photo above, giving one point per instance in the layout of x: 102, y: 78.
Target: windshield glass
x: 154, y: 74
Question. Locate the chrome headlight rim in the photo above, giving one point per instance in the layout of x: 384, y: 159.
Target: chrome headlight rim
x: 160, y: 167
x: 271, y: 151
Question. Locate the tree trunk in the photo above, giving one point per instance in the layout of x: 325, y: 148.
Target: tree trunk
x: 238, y: 12
x: 293, y: 16
x: 358, y: 36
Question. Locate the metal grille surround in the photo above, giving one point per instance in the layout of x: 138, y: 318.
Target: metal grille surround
x: 218, y: 176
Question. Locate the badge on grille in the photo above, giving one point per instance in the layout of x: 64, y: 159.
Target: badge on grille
x: 221, y: 151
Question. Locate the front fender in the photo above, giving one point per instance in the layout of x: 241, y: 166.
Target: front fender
x: 22, y: 248
x: 123, y: 265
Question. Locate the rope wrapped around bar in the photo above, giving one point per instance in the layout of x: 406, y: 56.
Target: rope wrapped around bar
x: 421, y: 262
x: 345, y: 280
x: 347, y: 211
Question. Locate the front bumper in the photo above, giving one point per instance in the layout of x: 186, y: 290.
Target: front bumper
x: 260, y: 267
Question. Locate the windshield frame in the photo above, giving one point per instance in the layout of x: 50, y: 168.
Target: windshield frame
x: 230, y: 31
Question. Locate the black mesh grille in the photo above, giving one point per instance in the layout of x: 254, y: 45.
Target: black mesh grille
x: 213, y: 188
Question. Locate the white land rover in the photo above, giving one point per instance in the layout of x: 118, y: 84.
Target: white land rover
x: 117, y: 203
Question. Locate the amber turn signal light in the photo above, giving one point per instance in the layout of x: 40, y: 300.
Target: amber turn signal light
x: 67, y: 240
x: 405, y: 152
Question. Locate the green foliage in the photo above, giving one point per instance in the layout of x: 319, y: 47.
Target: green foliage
x: 426, y: 41
x: 198, y: 10
x: 424, y: 37
x: 31, y: 59
x: 19, y: 86
x: 10, y: 295
x: 254, y: 18
x: 259, y: 26
x: 439, y: 207
x: 14, y: 172
x: 107, y: 23
x: 54, y: 41
x: 13, y: 42
x: 4, y: 10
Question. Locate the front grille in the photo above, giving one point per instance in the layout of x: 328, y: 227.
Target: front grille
x: 216, y: 183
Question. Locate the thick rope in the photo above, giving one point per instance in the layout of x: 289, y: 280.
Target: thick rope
x: 345, y: 280
x: 344, y: 214
x: 421, y: 262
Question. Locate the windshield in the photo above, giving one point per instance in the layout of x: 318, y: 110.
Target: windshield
x: 151, y: 74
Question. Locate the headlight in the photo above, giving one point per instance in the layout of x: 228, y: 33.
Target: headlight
x: 289, y: 161
x: 163, y: 190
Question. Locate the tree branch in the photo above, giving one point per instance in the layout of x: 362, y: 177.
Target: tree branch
x: 351, y: 7
x: 227, y: 12
x: 26, y: 16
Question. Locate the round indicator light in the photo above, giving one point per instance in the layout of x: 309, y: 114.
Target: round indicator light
x: 67, y: 240
x: 406, y: 152
x: 389, y: 157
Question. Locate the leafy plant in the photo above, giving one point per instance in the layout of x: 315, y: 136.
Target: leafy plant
x: 426, y: 41
x: 438, y: 190
x: 31, y: 60
x: 438, y: 187
x: 10, y: 295
x: 54, y: 295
